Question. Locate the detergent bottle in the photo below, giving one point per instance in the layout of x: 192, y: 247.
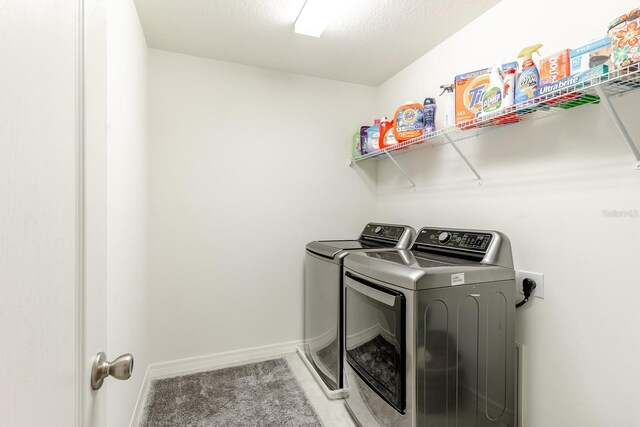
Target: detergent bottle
x: 429, y: 115
x: 373, y: 137
x: 492, y: 100
x: 356, y: 149
x: 390, y: 137
x: 529, y: 81
x: 363, y: 139
x: 385, y: 126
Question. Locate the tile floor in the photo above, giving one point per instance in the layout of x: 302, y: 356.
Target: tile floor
x: 331, y: 412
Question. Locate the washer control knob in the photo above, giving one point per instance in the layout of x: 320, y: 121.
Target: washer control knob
x: 378, y: 230
x: 444, y: 237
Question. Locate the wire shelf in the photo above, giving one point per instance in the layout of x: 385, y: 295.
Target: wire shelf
x: 588, y: 91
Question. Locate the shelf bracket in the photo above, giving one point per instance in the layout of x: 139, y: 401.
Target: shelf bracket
x: 406, y: 175
x: 461, y: 154
x: 621, y: 128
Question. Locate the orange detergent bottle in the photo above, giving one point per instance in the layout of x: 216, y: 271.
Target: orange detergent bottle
x: 385, y: 126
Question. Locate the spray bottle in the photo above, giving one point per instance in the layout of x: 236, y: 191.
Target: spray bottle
x: 449, y: 110
x: 528, y: 83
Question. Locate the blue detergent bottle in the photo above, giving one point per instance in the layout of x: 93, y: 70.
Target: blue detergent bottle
x: 373, y: 137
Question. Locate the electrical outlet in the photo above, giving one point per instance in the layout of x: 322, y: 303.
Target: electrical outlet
x: 538, y: 292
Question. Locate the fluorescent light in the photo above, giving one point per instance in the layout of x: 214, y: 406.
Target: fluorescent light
x: 314, y: 17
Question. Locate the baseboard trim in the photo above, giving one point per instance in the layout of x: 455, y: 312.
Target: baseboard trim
x: 226, y: 359
x: 197, y: 364
x: 323, y: 339
x: 141, y: 401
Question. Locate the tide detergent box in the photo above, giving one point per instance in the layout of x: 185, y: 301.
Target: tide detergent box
x: 555, y: 67
x: 591, y: 55
x: 469, y: 90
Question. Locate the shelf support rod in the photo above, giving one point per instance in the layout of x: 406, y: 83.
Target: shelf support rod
x: 461, y: 154
x: 616, y: 120
x: 406, y: 175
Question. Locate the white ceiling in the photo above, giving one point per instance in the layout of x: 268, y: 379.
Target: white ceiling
x: 367, y: 42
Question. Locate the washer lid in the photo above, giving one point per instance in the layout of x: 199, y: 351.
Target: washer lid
x: 374, y: 236
x: 403, y: 268
x: 331, y: 248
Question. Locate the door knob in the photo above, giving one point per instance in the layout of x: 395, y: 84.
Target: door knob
x: 121, y: 369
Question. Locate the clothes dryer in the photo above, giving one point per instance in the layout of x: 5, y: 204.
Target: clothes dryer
x: 323, y: 325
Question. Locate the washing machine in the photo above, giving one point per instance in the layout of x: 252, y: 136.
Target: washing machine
x: 322, y: 350
x: 430, y: 332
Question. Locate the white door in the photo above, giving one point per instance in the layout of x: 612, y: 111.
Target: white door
x: 52, y: 241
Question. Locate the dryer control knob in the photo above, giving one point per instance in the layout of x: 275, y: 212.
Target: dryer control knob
x: 444, y: 237
x: 377, y: 230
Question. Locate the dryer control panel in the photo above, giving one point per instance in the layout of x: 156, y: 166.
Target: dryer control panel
x: 454, y: 239
x: 382, y: 231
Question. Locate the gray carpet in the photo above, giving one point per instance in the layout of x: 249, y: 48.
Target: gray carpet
x: 259, y: 394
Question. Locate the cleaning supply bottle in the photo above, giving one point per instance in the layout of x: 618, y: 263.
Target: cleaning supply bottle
x: 492, y: 101
x: 529, y: 80
x: 373, y: 137
x: 429, y: 112
x: 385, y: 126
x: 449, y: 110
x: 509, y: 79
x: 389, y: 137
x: 508, y: 99
x: 363, y: 139
x: 356, y: 148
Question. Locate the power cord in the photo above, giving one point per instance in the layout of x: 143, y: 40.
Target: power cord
x: 528, y: 286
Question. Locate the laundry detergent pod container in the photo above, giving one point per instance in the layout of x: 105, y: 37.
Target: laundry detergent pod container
x: 409, y: 121
x: 624, y: 33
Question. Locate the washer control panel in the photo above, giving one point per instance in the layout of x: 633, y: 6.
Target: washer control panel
x: 454, y: 239
x: 389, y: 232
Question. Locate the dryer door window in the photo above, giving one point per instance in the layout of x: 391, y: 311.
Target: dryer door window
x: 375, y: 341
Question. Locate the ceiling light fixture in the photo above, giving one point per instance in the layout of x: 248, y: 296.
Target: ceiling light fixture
x: 313, y: 18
